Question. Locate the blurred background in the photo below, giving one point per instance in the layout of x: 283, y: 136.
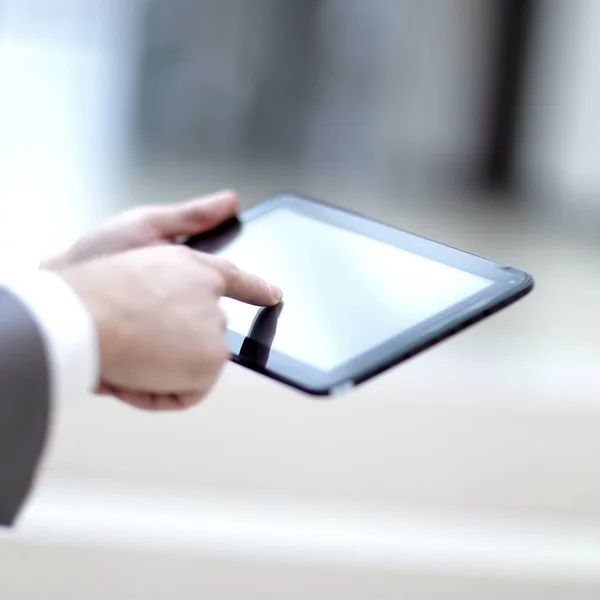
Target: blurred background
x: 472, y: 472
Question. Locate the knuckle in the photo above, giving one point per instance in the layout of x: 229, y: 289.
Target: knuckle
x: 230, y: 270
x: 203, y: 220
x: 215, y: 281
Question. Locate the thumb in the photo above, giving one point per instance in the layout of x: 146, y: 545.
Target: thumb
x: 194, y: 216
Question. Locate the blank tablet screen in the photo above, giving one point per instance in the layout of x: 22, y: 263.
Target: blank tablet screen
x: 344, y: 293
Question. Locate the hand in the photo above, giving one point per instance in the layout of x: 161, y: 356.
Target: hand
x: 150, y: 226
x: 160, y: 327
x: 143, y: 227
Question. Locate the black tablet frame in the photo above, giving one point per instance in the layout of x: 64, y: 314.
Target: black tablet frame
x: 508, y: 286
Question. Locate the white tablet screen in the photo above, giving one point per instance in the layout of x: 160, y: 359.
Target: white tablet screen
x: 344, y: 293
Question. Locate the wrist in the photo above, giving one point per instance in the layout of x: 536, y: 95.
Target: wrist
x: 67, y: 328
x: 90, y: 294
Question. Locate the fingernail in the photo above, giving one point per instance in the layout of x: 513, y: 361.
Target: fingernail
x: 276, y: 293
x: 222, y: 194
x: 214, y: 198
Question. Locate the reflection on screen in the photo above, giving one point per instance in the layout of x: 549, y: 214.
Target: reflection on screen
x: 344, y: 293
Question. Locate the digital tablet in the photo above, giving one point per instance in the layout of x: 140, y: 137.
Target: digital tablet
x: 359, y: 296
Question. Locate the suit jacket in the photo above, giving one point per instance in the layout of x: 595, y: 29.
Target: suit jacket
x: 24, y: 403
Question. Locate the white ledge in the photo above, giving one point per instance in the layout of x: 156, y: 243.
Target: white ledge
x: 174, y: 521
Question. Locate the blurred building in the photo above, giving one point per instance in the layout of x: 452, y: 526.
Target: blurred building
x: 386, y: 90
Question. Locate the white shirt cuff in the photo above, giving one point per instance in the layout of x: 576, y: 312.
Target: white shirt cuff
x: 67, y: 329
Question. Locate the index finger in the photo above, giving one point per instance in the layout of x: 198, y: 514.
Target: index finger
x: 241, y: 285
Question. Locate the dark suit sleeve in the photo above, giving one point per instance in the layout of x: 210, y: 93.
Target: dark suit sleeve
x: 24, y: 403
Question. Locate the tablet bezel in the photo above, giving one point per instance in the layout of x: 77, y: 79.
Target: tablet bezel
x: 509, y: 285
